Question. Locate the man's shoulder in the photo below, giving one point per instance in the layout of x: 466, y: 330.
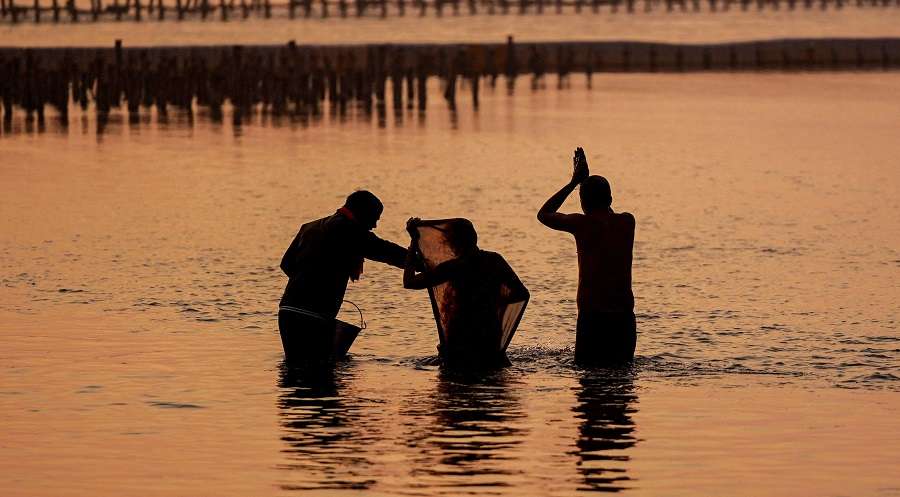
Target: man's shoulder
x: 337, y: 222
x: 626, y: 218
x: 488, y: 254
x: 492, y: 257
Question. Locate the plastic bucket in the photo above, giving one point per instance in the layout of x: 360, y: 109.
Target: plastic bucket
x: 320, y: 338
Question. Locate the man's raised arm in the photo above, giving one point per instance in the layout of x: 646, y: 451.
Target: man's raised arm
x: 549, y: 214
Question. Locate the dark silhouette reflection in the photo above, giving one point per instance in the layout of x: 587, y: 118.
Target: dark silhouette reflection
x: 472, y: 435
x: 606, y: 401
x: 325, y: 432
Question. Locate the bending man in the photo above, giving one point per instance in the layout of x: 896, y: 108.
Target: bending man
x: 606, y: 331
x: 324, y: 255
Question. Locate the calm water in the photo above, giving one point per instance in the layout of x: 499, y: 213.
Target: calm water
x: 139, y: 281
x: 686, y: 27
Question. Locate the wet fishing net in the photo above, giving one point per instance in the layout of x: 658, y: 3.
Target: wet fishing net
x: 479, y: 303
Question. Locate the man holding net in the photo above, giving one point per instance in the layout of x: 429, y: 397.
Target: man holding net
x: 477, y: 298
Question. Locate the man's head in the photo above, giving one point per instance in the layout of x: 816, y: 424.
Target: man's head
x: 462, y: 236
x: 366, y: 207
x: 595, y: 194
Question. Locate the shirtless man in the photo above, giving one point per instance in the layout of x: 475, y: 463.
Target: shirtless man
x: 606, y: 331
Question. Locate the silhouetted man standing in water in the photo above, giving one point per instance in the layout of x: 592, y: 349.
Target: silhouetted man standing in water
x: 324, y: 255
x: 606, y: 331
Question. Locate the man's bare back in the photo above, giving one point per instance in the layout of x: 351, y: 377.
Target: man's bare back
x: 605, y: 240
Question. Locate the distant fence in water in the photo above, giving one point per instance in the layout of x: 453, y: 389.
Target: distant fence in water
x: 294, y: 79
x: 16, y: 11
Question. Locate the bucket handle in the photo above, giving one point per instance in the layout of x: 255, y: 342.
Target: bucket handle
x: 362, y: 322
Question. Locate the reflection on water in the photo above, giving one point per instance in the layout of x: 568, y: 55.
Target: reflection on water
x: 324, y: 430
x: 379, y: 115
x: 606, y: 401
x: 468, y: 434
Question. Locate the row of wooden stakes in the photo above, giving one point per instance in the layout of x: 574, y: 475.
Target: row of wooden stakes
x: 68, y: 10
x: 291, y: 78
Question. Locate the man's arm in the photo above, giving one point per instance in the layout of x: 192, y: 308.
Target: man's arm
x: 384, y: 251
x: 548, y: 214
x: 426, y: 278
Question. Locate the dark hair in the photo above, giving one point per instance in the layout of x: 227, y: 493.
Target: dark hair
x: 462, y: 236
x: 364, y: 203
x: 595, y: 193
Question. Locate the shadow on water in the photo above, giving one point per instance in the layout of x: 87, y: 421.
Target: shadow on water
x: 324, y: 430
x: 465, y: 437
x: 606, y: 400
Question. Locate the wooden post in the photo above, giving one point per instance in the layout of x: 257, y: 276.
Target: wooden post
x: 268, y: 9
x: 224, y: 9
x: 73, y: 10
x: 422, y: 89
x: 55, y: 10
x: 137, y: 10
x: 475, y: 81
x: 37, y: 11
x: 162, y: 15
x: 118, y: 51
x: 589, y: 67
x: 512, y: 67
x: 180, y: 9
x: 410, y: 87
x: 13, y: 11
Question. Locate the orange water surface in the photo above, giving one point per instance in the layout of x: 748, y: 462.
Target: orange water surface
x: 139, y: 284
